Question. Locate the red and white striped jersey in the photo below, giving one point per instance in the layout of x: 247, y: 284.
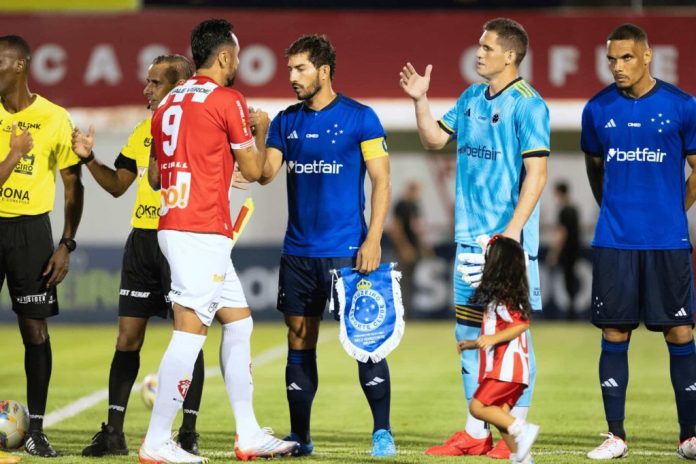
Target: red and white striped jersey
x: 507, y: 362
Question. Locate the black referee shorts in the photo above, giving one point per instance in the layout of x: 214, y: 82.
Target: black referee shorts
x: 145, y: 277
x: 26, y: 245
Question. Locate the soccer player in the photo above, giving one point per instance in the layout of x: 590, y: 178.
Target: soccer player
x: 328, y: 142
x: 28, y: 259
x: 145, y: 272
x: 199, y: 130
x: 637, y: 134
x: 502, y: 132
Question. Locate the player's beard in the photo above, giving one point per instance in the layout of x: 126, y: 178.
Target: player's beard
x: 230, y: 79
x: 309, y: 92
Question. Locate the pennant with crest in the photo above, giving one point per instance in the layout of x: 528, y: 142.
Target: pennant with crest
x: 370, y: 311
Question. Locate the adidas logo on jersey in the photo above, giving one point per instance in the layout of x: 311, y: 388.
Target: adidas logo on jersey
x: 691, y: 387
x: 294, y: 387
x: 293, y: 135
x: 681, y: 313
x: 610, y: 124
x: 611, y: 383
x: 374, y: 382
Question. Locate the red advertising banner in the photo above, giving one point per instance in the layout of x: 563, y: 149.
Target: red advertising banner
x: 101, y: 60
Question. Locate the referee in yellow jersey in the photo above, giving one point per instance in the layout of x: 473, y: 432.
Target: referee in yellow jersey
x: 145, y: 277
x: 28, y: 259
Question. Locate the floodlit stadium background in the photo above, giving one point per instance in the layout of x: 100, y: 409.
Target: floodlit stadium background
x: 91, y: 57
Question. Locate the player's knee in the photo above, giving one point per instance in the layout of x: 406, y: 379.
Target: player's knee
x: 679, y: 334
x: 302, y: 333
x: 34, y: 331
x: 127, y: 341
x: 616, y: 334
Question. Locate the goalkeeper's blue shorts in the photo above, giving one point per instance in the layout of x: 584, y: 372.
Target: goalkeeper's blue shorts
x: 655, y: 286
x: 463, y: 291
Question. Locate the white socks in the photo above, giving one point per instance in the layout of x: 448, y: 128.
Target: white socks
x: 476, y: 428
x: 516, y: 428
x: 235, y: 363
x: 173, y: 381
x: 520, y: 412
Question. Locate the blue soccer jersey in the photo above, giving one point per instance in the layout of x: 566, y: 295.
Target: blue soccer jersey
x: 324, y: 153
x: 494, y: 135
x: 644, y: 143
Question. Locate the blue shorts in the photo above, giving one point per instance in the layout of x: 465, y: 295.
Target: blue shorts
x: 470, y: 314
x: 304, y: 284
x: 655, y: 286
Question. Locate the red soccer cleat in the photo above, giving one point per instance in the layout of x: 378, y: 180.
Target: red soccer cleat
x: 461, y: 443
x: 499, y: 451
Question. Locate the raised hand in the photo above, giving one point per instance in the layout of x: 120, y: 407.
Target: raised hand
x: 415, y: 85
x: 82, y: 144
x: 20, y: 144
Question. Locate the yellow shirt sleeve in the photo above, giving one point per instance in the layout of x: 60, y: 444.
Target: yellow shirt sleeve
x: 374, y: 148
x: 65, y: 156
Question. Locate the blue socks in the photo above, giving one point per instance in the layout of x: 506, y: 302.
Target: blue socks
x: 613, y: 379
x: 374, y: 380
x: 682, y: 369
x: 301, y: 381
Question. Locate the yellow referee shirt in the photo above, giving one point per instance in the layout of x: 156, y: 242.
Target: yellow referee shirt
x: 147, y: 201
x: 31, y: 188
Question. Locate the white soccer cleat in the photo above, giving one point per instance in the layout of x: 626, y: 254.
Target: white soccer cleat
x: 612, y: 448
x: 263, y: 445
x: 527, y: 459
x: 169, y: 453
x: 526, y: 439
x: 687, y: 449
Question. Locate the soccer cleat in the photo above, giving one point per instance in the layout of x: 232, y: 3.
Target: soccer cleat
x: 383, y: 444
x: 169, y: 453
x: 613, y: 447
x: 499, y: 451
x: 305, y: 449
x: 37, y: 444
x: 526, y: 460
x: 106, y: 441
x: 188, y: 440
x: 687, y: 448
x: 263, y: 445
x: 461, y: 443
x: 526, y: 439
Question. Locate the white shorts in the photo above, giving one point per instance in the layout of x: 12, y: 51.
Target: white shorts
x: 203, y: 276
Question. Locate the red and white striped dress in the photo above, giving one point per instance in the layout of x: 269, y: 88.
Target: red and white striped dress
x: 507, y: 362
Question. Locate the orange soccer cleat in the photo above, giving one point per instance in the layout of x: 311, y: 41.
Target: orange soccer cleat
x: 460, y: 444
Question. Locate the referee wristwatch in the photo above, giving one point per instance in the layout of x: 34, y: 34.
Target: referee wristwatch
x: 69, y: 243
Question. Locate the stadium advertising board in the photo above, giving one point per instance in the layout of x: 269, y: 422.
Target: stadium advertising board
x: 101, y: 60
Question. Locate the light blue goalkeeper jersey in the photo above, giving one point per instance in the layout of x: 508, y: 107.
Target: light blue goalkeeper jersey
x: 494, y: 134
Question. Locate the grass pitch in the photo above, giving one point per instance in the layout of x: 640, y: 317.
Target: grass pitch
x: 427, y: 398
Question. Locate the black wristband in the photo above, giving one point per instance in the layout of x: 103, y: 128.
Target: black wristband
x: 88, y: 159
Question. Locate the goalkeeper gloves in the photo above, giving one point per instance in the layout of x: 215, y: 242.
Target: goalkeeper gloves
x: 470, y: 265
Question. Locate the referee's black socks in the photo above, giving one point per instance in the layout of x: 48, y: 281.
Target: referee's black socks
x: 124, y: 370
x: 37, y: 366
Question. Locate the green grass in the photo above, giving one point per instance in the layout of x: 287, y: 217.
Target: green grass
x: 427, y: 399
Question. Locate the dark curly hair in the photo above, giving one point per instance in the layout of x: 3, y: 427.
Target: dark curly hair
x: 319, y: 50
x: 504, y: 279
